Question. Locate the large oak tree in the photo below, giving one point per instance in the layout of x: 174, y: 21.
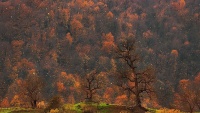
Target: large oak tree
x: 131, y: 78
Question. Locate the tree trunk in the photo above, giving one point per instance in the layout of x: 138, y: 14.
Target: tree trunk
x: 34, y: 104
x: 138, y: 101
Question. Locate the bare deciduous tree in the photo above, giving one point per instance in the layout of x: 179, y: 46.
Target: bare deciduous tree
x: 31, y: 88
x: 92, y: 83
x: 133, y: 80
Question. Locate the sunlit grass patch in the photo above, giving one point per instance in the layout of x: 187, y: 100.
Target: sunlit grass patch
x: 165, y: 110
x: 19, y: 110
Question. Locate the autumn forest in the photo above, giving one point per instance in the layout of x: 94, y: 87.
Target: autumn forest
x: 142, y: 54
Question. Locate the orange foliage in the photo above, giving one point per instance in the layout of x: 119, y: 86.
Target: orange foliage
x: 108, y: 95
x: 78, y: 17
x: 175, y: 53
x: 143, y: 16
x: 16, y: 101
x: 133, y: 17
x: 52, y: 32
x: 147, y: 34
x: 51, y: 14
x: 60, y: 87
x: 121, y: 99
x: 25, y: 8
x: 179, y: 5
x: 32, y: 72
x: 17, y: 43
x: 27, y: 64
x: 84, y: 3
x: 83, y: 50
x: 109, y: 15
x: 71, y: 99
x: 188, y: 98
x: 43, y: 4
x: 96, y: 9
x: 69, y: 38
x: 197, y: 79
x: 108, y: 37
x: 76, y: 25
x: 5, y: 103
x: 66, y: 14
x: 41, y: 105
x: 108, y: 43
x: 63, y: 74
x: 19, y: 81
x: 186, y: 43
x: 53, y: 55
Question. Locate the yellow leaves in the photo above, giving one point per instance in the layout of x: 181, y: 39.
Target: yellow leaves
x: 41, y: 105
x: 165, y: 110
x: 54, y: 111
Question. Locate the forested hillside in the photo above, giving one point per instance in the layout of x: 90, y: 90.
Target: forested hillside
x: 61, y: 41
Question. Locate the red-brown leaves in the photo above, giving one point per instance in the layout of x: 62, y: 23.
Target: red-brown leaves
x: 108, y: 42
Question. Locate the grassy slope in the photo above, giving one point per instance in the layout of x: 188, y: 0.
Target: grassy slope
x: 19, y: 110
x: 94, y: 107
x: 80, y: 107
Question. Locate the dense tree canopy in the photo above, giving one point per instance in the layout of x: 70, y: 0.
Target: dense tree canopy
x: 57, y: 37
